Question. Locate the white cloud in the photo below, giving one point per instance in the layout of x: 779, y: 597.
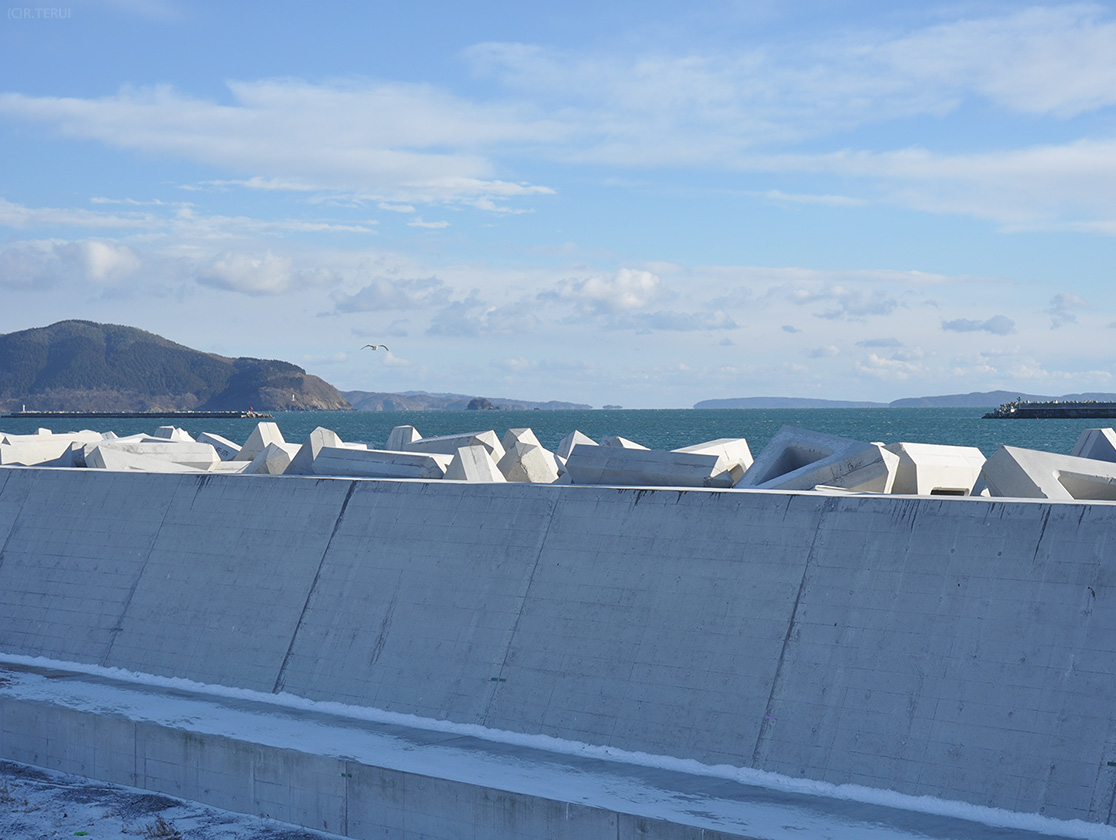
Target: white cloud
x: 628, y: 290
x: 175, y: 218
x: 748, y: 109
x: 1057, y: 60
x: 996, y: 325
x: 1062, y: 309
x: 253, y: 274
x: 842, y: 302
x: 883, y: 368
x: 20, y: 216
x: 49, y: 264
x: 385, y: 138
x: 475, y: 317
x: 824, y: 200
x: 631, y: 107
x: 386, y: 293
x: 677, y: 321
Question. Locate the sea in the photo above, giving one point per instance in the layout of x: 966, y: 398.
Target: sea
x: 653, y: 428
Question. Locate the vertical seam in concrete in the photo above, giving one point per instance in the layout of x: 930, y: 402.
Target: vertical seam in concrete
x: 522, y: 604
x: 135, y: 754
x: 765, y: 724
x: 1111, y: 800
x: 347, y: 774
x: 11, y: 530
x: 313, y: 586
x: 113, y: 632
x: 1042, y: 533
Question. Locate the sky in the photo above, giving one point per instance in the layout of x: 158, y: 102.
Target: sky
x: 638, y: 204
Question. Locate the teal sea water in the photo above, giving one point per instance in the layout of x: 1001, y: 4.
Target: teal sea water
x: 654, y: 428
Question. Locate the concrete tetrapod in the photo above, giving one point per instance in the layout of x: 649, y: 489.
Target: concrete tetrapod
x: 173, y: 433
x: 43, y: 450
x: 303, y: 461
x: 380, y: 463
x: 200, y: 456
x: 927, y: 469
x: 737, y: 453
x: 528, y: 436
x: 449, y: 444
x: 621, y: 442
x: 261, y: 436
x: 574, y: 438
x: 274, y: 459
x: 521, y: 435
x: 798, y: 459
x: 1098, y: 444
x: 475, y: 464
x: 526, y: 462
x: 401, y: 436
x: 118, y: 459
x: 226, y: 449
x: 1030, y: 474
x: 614, y: 465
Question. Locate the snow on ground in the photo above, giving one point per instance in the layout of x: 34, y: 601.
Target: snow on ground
x: 37, y: 804
x: 729, y: 799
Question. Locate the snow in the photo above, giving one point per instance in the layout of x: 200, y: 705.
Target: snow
x: 37, y: 804
x: 725, y: 798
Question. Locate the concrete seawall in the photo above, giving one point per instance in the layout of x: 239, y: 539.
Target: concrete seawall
x: 962, y: 648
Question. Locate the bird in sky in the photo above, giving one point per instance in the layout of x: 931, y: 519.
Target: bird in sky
x: 376, y: 346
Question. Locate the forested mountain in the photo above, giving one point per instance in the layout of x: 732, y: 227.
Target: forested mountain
x: 84, y: 366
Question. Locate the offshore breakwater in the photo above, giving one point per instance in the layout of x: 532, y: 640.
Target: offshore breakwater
x: 952, y: 647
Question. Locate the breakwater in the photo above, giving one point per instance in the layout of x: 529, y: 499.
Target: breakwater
x: 1054, y: 410
x: 953, y: 647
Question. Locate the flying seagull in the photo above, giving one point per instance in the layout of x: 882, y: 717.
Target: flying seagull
x: 376, y: 346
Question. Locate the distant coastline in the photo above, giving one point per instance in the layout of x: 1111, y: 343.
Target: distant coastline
x: 161, y: 415
x: 979, y: 399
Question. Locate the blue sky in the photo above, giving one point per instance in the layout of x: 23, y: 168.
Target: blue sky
x: 642, y: 204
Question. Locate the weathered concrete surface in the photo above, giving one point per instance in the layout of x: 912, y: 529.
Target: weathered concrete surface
x: 1029, y: 473
x: 927, y: 469
x: 800, y: 459
x: 1098, y: 444
x: 624, y: 466
x: 365, y: 776
x: 474, y: 463
x: 379, y: 463
x: 956, y: 647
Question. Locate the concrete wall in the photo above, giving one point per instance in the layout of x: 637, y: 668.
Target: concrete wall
x: 960, y: 648
x: 344, y: 797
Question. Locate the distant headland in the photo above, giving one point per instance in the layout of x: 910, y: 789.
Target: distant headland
x: 81, y: 366
x: 979, y: 399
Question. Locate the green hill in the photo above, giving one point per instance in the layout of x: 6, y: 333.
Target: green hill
x: 84, y: 366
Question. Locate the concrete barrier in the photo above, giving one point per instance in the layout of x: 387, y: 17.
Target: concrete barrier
x: 960, y: 648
